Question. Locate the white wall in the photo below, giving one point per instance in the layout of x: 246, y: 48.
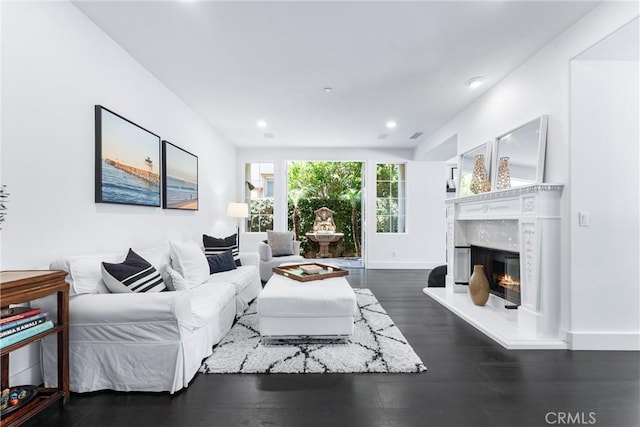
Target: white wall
x: 539, y: 86
x: 56, y: 65
x: 605, y: 292
x: 422, y: 246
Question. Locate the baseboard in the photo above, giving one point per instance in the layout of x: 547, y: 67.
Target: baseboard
x: 625, y: 341
x: 401, y: 265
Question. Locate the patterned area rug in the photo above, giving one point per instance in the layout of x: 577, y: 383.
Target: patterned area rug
x: 376, y: 346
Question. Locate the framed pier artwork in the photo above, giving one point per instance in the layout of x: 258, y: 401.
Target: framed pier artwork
x: 179, y: 178
x: 127, y: 161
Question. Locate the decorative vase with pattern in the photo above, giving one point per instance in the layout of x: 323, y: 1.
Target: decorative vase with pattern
x: 504, y: 176
x: 479, y: 179
x: 479, y: 286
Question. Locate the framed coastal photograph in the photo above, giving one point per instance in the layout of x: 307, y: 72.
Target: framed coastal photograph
x: 179, y: 178
x: 127, y: 163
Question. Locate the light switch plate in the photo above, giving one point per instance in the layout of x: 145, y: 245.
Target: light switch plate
x: 583, y: 219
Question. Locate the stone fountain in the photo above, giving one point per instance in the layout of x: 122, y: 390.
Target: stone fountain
x: 324, y: 231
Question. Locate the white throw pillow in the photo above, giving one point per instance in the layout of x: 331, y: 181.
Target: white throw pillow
x: 85, y: 273
x: 188, y: 259
x: 179, y: 283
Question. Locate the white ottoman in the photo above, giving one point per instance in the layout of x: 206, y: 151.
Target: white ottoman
x: 318, y: 308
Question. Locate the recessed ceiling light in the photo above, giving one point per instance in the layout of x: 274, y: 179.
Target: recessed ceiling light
x: 391, y: 124
x: 261, y: 124
x: 327, y: 89
x: 474, y: 82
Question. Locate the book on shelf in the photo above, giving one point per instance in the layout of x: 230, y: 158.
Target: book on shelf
x: 31, y: 321
x: 27, y: 333
x: 18, y: 322
x: 17, y: 313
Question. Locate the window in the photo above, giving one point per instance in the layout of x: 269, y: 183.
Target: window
x: 259, y: 196
x: 268, y: 187
x: 390, y: 198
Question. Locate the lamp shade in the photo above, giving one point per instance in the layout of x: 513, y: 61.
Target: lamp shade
x: 238, y: 210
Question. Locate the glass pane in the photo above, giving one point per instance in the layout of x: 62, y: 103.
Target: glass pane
x: 269, y: 188
x: 255, y: 224
x: 382, y: 189
x: 393, y: 224
x: 382, y: 207
x: 394, y: 189
x: 382, y: 224
x: 266, y: 222
x: 383, y: 173
x: 393, y: 206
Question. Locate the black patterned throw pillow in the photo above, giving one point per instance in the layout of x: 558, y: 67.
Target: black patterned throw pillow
x: 134, y: 274
x: 215, y: 246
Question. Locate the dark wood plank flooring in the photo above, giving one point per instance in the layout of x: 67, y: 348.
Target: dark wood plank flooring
x: 471, y: 381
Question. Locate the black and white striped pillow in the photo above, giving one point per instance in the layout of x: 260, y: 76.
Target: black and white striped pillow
x: 134, y: 274
x: 215, y: 246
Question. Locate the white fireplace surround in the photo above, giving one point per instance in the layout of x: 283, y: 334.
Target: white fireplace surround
x: 523, y: 219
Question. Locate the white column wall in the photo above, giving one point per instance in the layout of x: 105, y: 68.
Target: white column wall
x: 605, y: 286
x: 56, y: 65
x: 422, y: 246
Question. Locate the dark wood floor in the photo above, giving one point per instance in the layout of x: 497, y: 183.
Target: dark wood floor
x: 471, y: 381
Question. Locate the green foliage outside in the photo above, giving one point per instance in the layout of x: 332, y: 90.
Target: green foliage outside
x: 389, y: 181
x: 325, y: 180
x: 342, y: 218
x: 335, y: 185
x: 261, y: 215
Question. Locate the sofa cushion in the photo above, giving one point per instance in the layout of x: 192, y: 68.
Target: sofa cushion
x: 221, y: 262
x: 188, y: 259
x: 241, y: 277
x: 281, y: 242
x: 134, y: 274
x: 207, y: 300
x: 215, y: 246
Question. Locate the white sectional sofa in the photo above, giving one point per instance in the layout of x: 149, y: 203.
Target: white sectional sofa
x: 268, y: 261
x: 144, y: 341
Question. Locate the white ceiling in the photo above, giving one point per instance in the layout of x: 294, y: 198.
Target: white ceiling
x: 237, y: 62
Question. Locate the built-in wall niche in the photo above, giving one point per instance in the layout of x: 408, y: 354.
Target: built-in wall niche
x: 522, y: 152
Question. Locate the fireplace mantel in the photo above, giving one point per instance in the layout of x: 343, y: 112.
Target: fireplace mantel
x: 523, y: 219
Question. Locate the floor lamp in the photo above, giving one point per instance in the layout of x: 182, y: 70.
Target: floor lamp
x: 238, y: 210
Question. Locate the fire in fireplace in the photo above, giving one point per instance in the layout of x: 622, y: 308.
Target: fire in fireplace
x: 503, y: 271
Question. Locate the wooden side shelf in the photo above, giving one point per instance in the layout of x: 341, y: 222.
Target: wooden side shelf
x: 23, y: 286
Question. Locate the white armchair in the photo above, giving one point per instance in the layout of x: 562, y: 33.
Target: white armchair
x: 268, y: 261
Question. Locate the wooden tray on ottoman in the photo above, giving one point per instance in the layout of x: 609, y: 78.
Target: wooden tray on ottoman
x: 294, y: 272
